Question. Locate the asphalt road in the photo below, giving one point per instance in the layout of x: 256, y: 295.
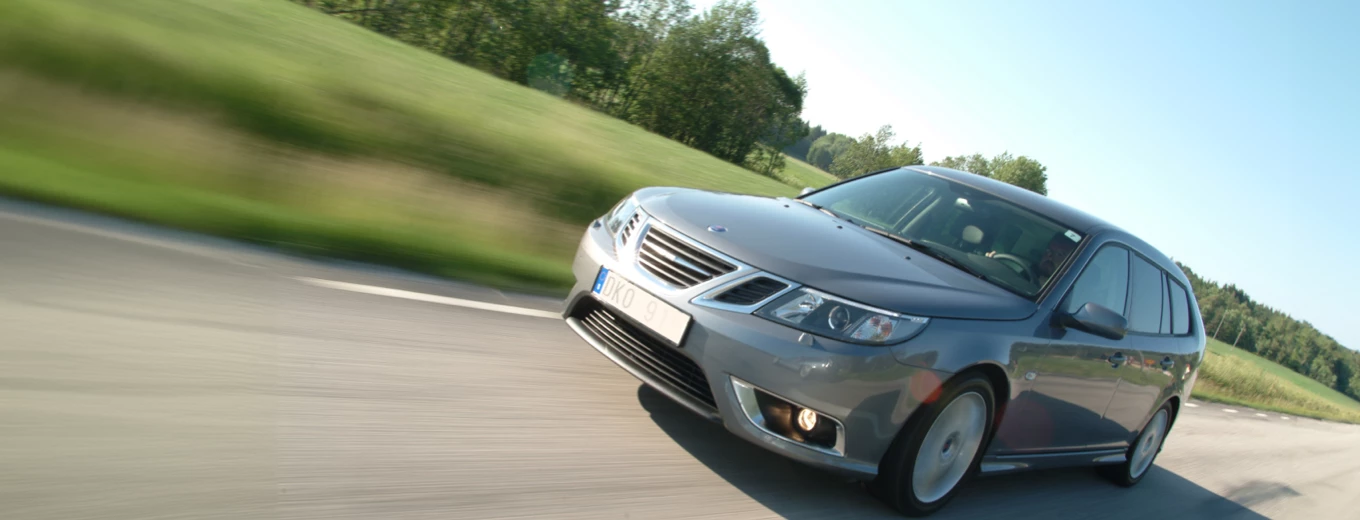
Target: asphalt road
x: 149, y: 374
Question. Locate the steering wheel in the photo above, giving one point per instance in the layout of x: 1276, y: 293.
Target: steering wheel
x: 1018, y: 262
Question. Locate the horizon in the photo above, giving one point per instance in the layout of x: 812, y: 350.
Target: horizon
x: 1171, y: 103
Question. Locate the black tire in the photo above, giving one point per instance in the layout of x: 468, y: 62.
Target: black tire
x: 1129, y: 472
x: 895, y: 472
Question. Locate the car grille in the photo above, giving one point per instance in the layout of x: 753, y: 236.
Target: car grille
x: 676, y: 263
x: 751, y: 291
x: 645, y: 352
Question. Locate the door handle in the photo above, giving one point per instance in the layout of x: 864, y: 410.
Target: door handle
x: 1117, y: 359
x: 1167, y: 363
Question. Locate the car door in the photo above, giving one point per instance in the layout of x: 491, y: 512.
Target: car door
x: 1141, y: 384
x: 1080, y: 371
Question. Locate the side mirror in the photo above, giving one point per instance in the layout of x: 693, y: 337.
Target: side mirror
x: 805, y: 191
x: 1097, y: 319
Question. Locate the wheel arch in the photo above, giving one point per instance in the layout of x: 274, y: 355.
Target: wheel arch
x: 996, y: 377
x: 1001, y: 387
x: 1175, y: 402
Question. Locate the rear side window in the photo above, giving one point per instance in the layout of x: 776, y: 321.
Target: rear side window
x: 1145, y: 300
x: 1180, y: 310
x: 1105, y: 281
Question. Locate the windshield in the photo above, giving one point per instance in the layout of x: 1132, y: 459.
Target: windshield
x: 1005, y: 244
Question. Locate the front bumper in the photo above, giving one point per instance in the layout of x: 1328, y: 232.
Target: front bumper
x: 865, y: 389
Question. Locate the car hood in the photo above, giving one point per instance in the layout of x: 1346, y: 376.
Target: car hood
x: 792, y: 240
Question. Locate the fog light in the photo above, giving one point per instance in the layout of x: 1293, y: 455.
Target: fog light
x: 807, y: 419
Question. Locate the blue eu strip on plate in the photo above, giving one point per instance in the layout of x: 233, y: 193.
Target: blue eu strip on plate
x: 599, y: 280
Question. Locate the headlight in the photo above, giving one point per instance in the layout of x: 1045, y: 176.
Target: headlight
x: 837, y: 318
x: 619, y: 215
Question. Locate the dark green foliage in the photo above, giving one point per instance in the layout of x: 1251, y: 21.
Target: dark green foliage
x: 824, y: 150
x: 874, y: 152
x: 975, y: 163
x: 711, y: 85
x: 1234, y: 318
x: 529, y: 42
x: 1020, y: 171
x: 800, y: 148
x: 786, y: 128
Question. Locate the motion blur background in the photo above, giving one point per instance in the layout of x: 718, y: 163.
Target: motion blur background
x: 472, y: 140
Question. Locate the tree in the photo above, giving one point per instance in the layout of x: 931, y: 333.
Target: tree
x: 557, y: 46
x: 1019, y: 171
x: 711, y: 84
x: 975, y: 163
x: 874, y: 152
x: 825, y: 149
x: 768, y: 157
x: 641, y: 26
x: 802, y: 146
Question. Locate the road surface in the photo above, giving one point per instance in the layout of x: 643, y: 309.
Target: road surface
x: 151, y: 374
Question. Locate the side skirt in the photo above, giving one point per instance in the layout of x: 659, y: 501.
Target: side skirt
x: 997, y: 464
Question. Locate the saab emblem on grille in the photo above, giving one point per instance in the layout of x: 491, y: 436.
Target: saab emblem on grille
x: 717, y: 229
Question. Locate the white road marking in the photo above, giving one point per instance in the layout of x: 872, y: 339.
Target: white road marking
x: 1284, y: 418
x: 1230, y: 410
x: 430, y: 298
x: 1261, y: 415
x: 1192, y: 405
x: 201, y: 251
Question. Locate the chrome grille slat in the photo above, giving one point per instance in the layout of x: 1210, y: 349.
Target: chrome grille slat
x: 676, y: 259
x: 615, y: 335
x: 673, y: 269
x: 647, y: 353
x: 713, y: 264
x: 677, y: 263
x: 659, y: 271
x: 630, y: 227
x: 638, y: 353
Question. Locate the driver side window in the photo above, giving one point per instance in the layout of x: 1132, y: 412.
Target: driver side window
x: 1105, y: 282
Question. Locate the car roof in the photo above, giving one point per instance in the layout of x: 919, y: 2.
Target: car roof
x: 1067, y: 215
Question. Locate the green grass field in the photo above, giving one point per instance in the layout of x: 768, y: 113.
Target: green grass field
x: 1235, y: 376
x: 266, y: 121
x: 803, y: 175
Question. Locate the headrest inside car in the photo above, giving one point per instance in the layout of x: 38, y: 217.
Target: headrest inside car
x: 972, y: 234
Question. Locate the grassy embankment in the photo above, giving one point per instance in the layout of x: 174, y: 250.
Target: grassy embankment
x: 265, y: 121
x: 1235, y: 376
x: 800, y: 174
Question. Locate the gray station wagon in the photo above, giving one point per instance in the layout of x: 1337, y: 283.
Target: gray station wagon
x: 909, y: 328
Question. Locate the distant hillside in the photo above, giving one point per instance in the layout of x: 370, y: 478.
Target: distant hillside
x: 1233, y: 317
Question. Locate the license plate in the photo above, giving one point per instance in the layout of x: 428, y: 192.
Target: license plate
x: 659, y: 316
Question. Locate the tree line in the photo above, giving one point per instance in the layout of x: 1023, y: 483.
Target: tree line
x: 1233, y: 317
x: 705, y: 80
x: 845, y: 156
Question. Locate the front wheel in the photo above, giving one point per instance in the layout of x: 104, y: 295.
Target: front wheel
x: 1143, y: 451
x: 939, y: 449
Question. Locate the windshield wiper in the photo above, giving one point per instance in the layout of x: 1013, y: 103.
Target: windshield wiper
x: 818, y: 207
x: 929, y: 250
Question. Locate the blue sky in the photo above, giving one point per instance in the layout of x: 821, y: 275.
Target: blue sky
x: 1224, y: 133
